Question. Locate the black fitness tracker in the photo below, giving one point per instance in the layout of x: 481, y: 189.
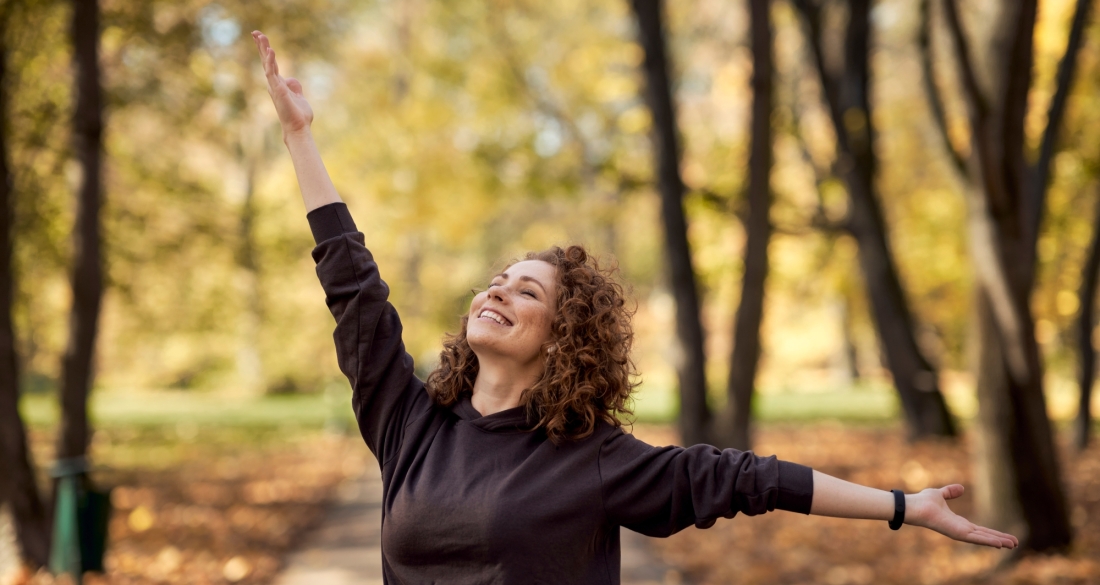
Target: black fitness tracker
x: 899, y: 510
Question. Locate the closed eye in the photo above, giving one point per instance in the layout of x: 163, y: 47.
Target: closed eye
x: 530, y: 293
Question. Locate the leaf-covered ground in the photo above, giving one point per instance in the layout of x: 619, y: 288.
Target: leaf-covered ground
x: 213, y: 506
x: 204, y: 505
x: 781, y: 547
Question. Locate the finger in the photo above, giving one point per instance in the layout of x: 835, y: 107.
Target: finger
x: 271, y: 67
x: 294, y: 85
x: 950, y: 492
x: 1005, y: 540
x: 983, y: 539
x: 1004, y: 536
x: 262, y: 44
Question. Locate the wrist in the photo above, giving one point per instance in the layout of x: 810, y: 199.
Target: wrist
x: 299, y: 136
x: 916, y: 509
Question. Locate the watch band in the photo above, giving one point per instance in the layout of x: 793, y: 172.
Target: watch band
x: 899, y: 510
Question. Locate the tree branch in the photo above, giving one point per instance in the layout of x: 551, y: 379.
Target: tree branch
x: 820, y: 220
x: 811, y: 14
x: 1063, y: 83
x: 965, y: 63
x: 543, y: 103
x: 935, y: 102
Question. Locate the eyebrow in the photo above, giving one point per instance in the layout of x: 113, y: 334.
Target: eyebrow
x: 524, y: 278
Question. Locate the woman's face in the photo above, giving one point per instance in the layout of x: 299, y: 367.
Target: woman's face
x: 511, y: 319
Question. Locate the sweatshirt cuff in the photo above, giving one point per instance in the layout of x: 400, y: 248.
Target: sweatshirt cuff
x: 330, y: 221
x: 796, y: 487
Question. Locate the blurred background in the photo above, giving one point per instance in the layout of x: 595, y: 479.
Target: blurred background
x: 861, y: 235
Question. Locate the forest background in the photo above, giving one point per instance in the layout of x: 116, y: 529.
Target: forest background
x: 463, y: 134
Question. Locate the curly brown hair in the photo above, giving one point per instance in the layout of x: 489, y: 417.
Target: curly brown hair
x: 589, y: 374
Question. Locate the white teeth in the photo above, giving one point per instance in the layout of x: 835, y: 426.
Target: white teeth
x: 495, y: 317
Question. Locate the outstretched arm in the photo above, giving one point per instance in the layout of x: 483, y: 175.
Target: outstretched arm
x: 843, y: 499
x: 295, y: 116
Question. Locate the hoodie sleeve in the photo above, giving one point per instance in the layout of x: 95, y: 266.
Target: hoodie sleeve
x: 368, y: 332
x: 659, y: 491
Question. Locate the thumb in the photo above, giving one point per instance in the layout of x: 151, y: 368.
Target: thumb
x: 295, y: 86
x: 952, y: 491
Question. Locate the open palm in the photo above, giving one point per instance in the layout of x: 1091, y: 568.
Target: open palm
x: 294, y: 111
x: 929, y: 509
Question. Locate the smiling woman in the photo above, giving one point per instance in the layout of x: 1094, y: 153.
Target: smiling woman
x: 510, y: 464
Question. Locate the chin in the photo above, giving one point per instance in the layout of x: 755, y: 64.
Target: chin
x: 480, y: 340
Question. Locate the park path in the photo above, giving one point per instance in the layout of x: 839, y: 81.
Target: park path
x: 345, y: 549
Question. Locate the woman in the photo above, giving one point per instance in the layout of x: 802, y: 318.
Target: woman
x: 510, y: 465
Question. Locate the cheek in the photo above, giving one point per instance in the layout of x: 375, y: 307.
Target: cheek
x: 475, y: 304
x: 545, y: 321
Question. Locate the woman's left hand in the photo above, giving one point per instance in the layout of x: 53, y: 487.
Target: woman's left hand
x: 929, y: 509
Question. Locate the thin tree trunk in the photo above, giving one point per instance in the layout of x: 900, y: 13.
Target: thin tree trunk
x: 915, y: 379
x: 250, y: 365
x: 733, y: 429
x: 1086, y: 353
x: 17, y: 483
x: 1066, y: 68
x: 689, y: 330
x: 87, y: 276
x: 851, y: 352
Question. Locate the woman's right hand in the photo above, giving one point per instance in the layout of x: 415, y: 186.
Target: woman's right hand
x: 295, y: 114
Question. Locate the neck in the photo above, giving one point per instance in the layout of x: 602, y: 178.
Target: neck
x: 499, y: 386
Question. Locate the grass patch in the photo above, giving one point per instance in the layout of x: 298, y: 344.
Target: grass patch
x: 853, y: 405
x: 167, y: 408
x: 185, y: 414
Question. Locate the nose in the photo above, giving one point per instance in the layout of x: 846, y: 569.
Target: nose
x: 495, y: 294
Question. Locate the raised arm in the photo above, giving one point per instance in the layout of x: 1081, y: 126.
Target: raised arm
x: 369, y: 349
x: 295, y: 116
x: 843, y: 499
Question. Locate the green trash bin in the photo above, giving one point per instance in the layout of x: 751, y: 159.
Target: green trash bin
x: 81, y: 517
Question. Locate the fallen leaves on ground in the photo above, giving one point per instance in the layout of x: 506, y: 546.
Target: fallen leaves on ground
x: 227, y: 509
x: 781, y: 548
x: 218, y: 509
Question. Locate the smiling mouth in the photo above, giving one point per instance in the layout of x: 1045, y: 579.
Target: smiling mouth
x: 495, y: 317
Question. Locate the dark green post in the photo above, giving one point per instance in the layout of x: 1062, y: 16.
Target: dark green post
x: 80, y: 521
x: 65, y: 544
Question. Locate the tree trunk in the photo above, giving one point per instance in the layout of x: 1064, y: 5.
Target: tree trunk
x: 851, y: 352
x: 915, y: 379
x: 250, y: 365
x: 1086, y: 353
x: 17, y: 482
x: 1015, y: 463
x: 998, y: 501
x: 691, y: 358
x: 87, y: 276
x: 1016, y: 457
x: 733, y: 429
